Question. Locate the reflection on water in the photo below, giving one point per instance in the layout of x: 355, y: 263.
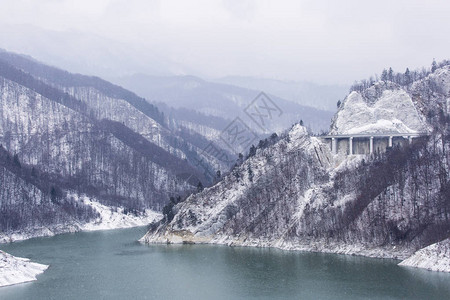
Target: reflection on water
x: 112, y: 265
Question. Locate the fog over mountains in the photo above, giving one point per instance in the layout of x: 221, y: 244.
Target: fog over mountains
x: 305, y: 93
x: 222, y: 100
x: 85, y: 53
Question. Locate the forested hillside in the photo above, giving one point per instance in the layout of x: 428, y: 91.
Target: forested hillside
x: 66, y: 133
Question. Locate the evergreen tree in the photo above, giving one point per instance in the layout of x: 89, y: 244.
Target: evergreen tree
x: 433, y: 66
x: 407, y: 77
x: 251, y: 151
x: 240, y: 159
x: 199, y: 187
x: 167, y: 212
x: 250, y: 173
x: 273, y: 137
x: 391, y: 74
x: 16, y: 160
x: 384, y: 75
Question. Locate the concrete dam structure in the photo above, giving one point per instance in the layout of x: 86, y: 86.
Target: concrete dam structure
x: 350, y: 144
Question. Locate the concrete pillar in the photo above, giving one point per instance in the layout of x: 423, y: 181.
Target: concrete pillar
x: 371, y: 145
x: 390, y: 141
x: 350, y: 143
x: 333, y: 145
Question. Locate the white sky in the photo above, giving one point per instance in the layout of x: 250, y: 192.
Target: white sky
x: 321, y: 41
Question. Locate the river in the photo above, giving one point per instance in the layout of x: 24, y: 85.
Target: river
x: 113, y: 265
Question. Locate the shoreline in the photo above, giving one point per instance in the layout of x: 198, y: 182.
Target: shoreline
x: 16, y: 270
x: 427, y: 258
x: 110, y: 219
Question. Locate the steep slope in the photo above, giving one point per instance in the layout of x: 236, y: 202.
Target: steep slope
x: 296, y: 195
x: 72, y: 145
x: 103, y: 100
x: 256, y: 199
x: 97, y: 155
x: 31, y: 201
x: 435, y: 257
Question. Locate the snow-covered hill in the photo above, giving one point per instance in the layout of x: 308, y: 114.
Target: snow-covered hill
x: 295, y: 194
x: 63, y: 133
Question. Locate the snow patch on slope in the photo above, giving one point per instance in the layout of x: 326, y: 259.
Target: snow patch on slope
x: 435, y: 257
x: 14, y: 270
x: 110, y: 218
x: 115, y: 218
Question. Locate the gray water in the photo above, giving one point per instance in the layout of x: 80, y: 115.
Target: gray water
x: 112, y: 265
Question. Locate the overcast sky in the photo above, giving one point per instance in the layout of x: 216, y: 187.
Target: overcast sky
x: 321, y: 41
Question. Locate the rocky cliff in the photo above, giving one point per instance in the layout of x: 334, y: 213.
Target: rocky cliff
x: 294, y: 194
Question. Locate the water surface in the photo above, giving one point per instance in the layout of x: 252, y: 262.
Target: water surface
x: 112, y: 265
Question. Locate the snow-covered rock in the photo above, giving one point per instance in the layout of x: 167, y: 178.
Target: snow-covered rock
x: 435, y: 257
x: 14, y: 270
x: 392, y: 112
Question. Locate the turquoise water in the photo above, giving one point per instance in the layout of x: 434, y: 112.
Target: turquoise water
x: 112, y: 265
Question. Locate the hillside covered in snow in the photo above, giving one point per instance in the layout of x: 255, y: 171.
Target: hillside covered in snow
x: 66, y: 137
x: 293, y: 193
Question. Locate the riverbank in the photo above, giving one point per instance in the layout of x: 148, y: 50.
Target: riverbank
x: 111, y: 265
x: 14, y: 270
x: 435, y: 257
x: 110, y: 218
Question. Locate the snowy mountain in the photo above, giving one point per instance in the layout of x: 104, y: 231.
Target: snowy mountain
x: 295, y: 194
x: 65, y: 136
x: 221, y: 100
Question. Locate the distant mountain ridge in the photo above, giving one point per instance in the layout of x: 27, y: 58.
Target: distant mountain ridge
x: 221, y: 100
x: 305, y: 93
